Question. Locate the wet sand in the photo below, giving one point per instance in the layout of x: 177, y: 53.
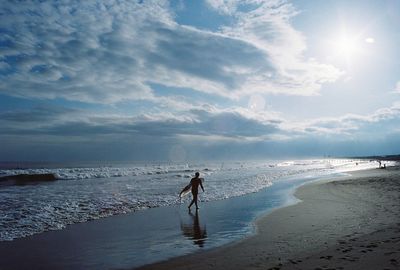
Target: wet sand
x: 144, y: 237
x: 342, y: 223
x: 347, y: 223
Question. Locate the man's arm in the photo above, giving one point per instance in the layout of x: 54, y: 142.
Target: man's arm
x: 201, y: 185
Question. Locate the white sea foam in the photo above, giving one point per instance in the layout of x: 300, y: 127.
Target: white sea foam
x: 83, y: 194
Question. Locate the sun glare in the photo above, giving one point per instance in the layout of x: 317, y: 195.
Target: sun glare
x: 370, y: 40
x: 346, y: 46
x: 349, y: 46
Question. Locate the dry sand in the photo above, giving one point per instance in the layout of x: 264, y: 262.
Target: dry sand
x: 350, y: 223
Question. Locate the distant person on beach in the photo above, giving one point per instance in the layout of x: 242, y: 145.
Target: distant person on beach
x: 195, y: 183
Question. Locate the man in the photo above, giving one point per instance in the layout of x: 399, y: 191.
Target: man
x: 195, y: 183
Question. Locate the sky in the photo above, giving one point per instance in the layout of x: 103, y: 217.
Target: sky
x: 198, y: 80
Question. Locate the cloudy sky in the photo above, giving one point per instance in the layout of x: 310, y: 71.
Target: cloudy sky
x: 198, y: 80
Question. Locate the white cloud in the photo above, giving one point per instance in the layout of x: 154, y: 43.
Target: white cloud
x: 106, y: 52
x: 374, y: 125
x: 268, y: 27
x: 4, y: 66
x: 224, y: 6
x: 205, y: 121
x: 206, y: 130
x: 75, y: 50
x: 397, y: 87
x: 198, y: 122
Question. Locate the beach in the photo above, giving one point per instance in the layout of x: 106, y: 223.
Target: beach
x: 344, y: 221
x: 347, y: 223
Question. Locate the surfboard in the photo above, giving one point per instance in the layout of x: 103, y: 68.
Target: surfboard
x: 185, y: 191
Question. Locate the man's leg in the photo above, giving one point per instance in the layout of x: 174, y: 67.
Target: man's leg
x: 195, y: 201
x: 191, y: 203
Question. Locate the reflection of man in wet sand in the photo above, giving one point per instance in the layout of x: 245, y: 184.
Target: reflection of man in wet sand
x: 195, y: 231
x: 195, y: 182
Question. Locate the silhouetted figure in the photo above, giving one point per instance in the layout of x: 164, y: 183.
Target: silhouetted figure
x: 195, y: 182
x: 195, y: 231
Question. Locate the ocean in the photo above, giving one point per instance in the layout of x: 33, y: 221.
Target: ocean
x: 84, y: 193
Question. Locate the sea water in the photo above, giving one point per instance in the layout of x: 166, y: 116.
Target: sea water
x: 84, y: 193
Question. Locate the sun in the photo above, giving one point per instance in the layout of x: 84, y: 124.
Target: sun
x: 346, y: 46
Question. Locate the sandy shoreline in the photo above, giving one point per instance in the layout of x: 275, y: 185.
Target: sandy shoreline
x: 144, y: 237
x: 351, y: 223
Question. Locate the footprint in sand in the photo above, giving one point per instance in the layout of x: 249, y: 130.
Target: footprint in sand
x: 394, y: 262
x: 326, y: 257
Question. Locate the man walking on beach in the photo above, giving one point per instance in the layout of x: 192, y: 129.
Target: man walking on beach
x: 195, y: 183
